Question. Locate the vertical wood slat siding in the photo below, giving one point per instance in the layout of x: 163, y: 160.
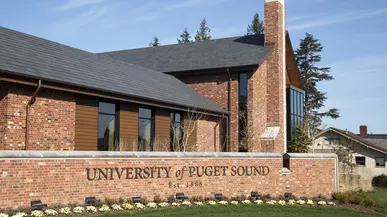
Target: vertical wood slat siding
x: 86, y: 125
x: 128, y: 127
x: 162, y: 130
x: 190, y: 127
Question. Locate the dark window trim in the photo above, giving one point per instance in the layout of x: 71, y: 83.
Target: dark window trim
x: 153, y: 123
x: 242, y: 106
x: 116, y: 122
x: 360, y: 165
x: 384, y: 162
x: 172, y: 121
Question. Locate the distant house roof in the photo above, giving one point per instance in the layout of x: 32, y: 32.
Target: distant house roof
x: 218, y: 53
x: 379, y: 144
x: 29, y: 56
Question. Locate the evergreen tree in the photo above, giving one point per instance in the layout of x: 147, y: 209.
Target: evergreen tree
x: 256, y: 26
x: 185, y: 37
x: 203, y: 33
x: 308, y: 56
x: 300, y: 143
x: 155, y: 42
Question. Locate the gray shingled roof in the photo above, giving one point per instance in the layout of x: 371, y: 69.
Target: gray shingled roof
x: 218, y: 53
x: 27, y: 55
x: 375, y: 143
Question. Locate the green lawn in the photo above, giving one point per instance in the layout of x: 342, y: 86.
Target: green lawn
x: 380, y: 196
x: 246, y: 210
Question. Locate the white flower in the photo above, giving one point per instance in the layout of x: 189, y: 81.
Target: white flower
x: 330, y: 203
x: 246, y: 202
x: 3, y: 215
x: 50, y: 212
x: 19, y: 214
x: 281, y: 202
x: 175, y: 204
x: 291, y: 202
x: 234, y: 202
x: 163, y: 204
x: 91, y: 209
x: 310, y: 202
x: 223, y: 202
x: 258, y: 201
x: 198, y: 203
x: 186, y: 203
x: 65, y: 211
x: 116, y: 207
x: 104, y: 208
x: 211, y: 202
x: 272, y: 202
x: 152, y: 205
x: 139, y: 205
x: 322, y: 203
x: 37, y: 213
x: 301, y: 202
x: 127, y: 206
x: 78, y: 209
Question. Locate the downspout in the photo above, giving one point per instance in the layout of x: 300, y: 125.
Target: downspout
x: 217, y: 124
x: 30, y: 102
x: 228, y: 108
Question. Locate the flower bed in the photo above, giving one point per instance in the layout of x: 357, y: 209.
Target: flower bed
x: 104, y: 208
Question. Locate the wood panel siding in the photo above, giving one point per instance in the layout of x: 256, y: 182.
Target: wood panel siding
x: 128, y: 127
x: 162, y: 130
x: 190, y: 134
x: 86, y: 125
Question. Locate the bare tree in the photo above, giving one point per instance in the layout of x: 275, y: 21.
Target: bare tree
x: 247, y: 131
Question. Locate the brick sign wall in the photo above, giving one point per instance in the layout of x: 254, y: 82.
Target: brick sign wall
x: 63, y: 177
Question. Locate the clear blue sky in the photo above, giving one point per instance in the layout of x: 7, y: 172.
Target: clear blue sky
x: 353, y: 33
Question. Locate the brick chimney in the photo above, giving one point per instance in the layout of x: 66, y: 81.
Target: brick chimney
x: 363, y: 131
x: 274, y: 25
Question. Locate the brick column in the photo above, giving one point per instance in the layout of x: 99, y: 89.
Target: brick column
x: 276, y: 74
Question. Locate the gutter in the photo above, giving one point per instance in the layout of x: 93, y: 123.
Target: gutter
x: 28, y: 108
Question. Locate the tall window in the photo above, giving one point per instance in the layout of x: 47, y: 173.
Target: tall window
x: 145, y: 129
x: 242, y: 113
x: 107, y: 127
x: 176, y: 132
x: 295, y: 111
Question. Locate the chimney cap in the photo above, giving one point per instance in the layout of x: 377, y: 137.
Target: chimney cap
x: 280, y: 1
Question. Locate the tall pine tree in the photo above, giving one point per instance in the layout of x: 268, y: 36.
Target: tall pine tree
x: 155, y: 42
x: 203, y: 33
x: 308, y: 56
x: 256, y: 26
x: 185, y: 37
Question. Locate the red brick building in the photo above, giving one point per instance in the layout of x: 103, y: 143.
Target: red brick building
x: 55, y: 97
x: 125, y: 112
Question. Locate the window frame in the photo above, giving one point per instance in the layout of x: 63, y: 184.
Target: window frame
x: 116, y: 123
x: 153, y: 123
x: 242, y: 106
x: 384, y: 162
x: 172, y: 120
x: 360, y: 165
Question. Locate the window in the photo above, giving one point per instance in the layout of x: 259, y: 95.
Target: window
x: 242, y: 113
x: 107, y: 127
x: 380, y: 161
x: 295, y: 111
x: 145, y: 129
x: 360, y: 161
x: 176, y: 132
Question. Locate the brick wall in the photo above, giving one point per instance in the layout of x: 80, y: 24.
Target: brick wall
x: 52, y: 120
x: 214, y: 86
x: 3, y: 112
x: 26, y: 176
x: 208, y: 135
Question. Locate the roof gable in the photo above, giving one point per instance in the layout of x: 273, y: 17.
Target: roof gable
x: 26, y: 55
x: 211, y: 54
x: 381, y: 147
